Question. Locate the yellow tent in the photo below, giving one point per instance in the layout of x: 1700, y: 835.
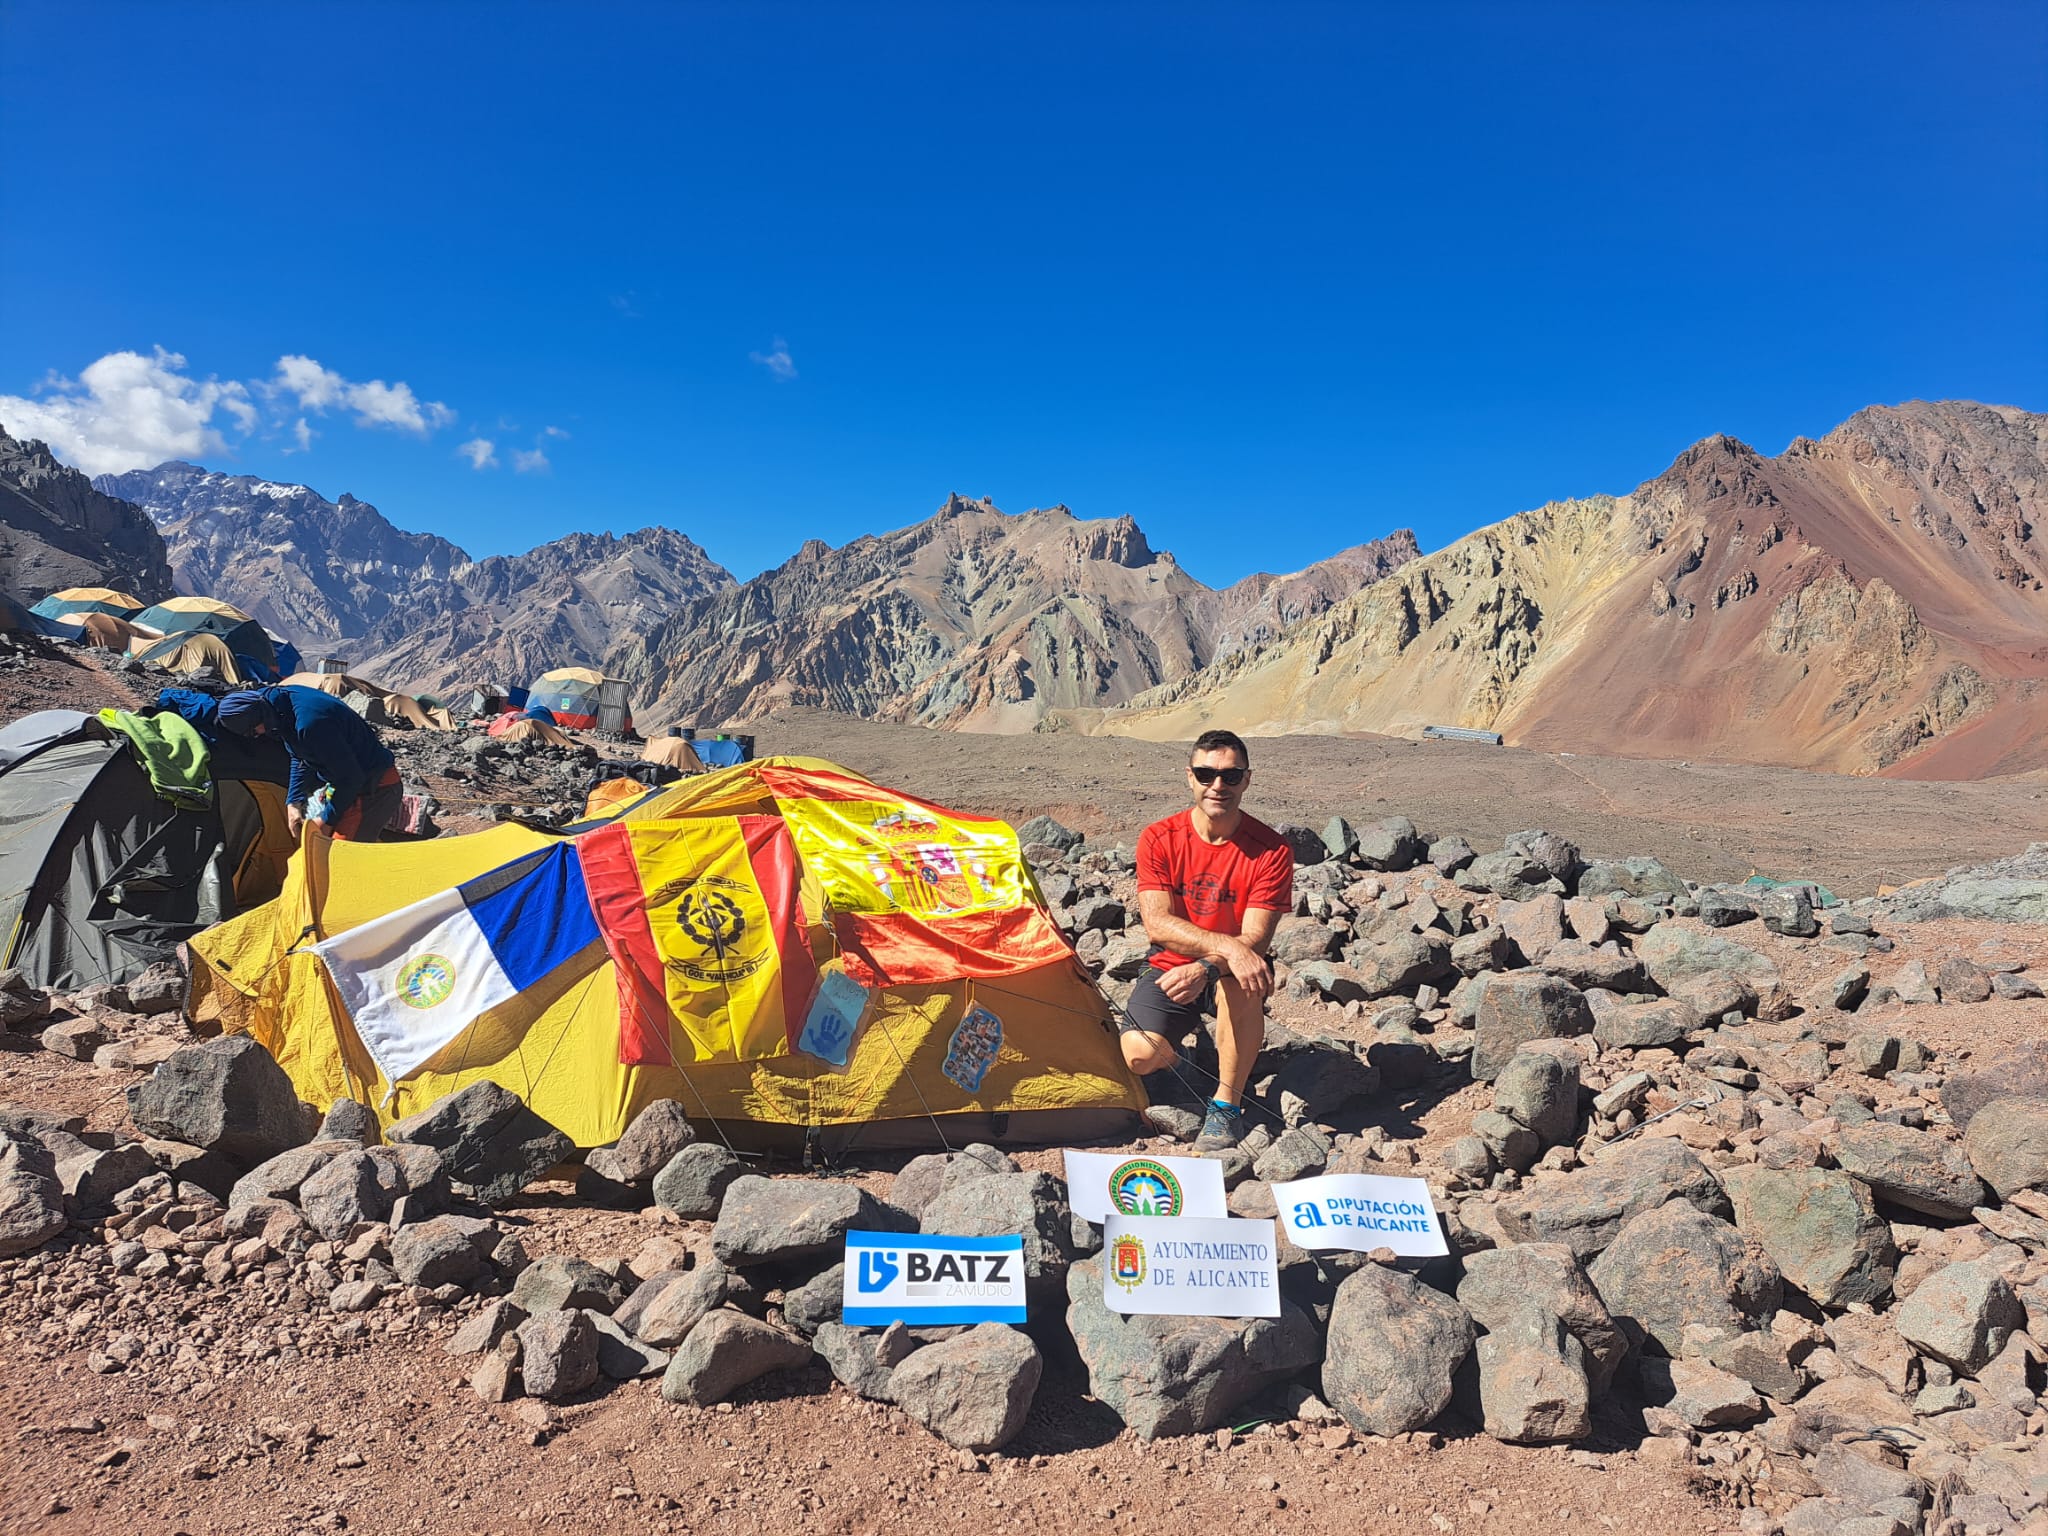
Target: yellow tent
x: 935, y: 911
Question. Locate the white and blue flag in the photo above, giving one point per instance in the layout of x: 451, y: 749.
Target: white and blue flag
x: 414, y: 979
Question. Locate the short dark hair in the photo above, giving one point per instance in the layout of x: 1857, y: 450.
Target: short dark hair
x: 1218, y: 741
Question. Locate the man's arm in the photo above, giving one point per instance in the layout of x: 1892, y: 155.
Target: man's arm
x: 1245, y: 962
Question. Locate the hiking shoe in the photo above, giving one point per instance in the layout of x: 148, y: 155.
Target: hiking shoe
x: 1222, y: 1128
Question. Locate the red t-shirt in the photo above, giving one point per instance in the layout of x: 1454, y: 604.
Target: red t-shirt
x: 1213, y: 885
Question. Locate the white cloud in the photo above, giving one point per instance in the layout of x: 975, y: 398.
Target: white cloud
x: 375, y: 404
x: 481, y: 452
x: 530, y: 461
x: 127, y: 411
x: 780, y: 365
x: 302, y: 436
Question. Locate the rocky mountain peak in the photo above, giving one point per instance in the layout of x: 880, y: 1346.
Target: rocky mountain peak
x: 57, y: 530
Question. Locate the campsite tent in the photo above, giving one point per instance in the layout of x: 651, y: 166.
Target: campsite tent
x: 520, y: 726
x: 99, y: 877
x: 207, y: 616
x: 386, y: 708
x: 190, y: 652
x: 738, y: 904
x: 570, y: 694
x: 75, y: 602
x: 674, y: 752
x: 18, y: 620
x: 104, y: 632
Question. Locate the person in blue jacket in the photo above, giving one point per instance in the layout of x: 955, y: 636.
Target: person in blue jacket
x: 331, y: 747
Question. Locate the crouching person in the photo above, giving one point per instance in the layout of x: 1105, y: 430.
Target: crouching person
x: 331, y: 748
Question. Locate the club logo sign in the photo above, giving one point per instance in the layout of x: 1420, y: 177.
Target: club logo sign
x: 425, y: 981
x: 1143, y: 1187
x: 1361, y: 1212
x: 1105, y: 1184
x: 1127, y: 1262
x: 1190, y: 1266
x: 711, y: 918
x: 918, y: 1279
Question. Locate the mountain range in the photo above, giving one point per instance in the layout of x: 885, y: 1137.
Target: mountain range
x: 1868, y: 601
x: 56, y: 531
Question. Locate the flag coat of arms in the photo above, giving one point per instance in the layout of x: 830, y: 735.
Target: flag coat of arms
x: 415, y: 978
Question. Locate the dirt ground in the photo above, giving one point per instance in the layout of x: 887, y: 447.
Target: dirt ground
x: 379, y: 1432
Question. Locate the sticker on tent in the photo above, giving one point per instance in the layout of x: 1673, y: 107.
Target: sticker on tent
x: 1104, y: 1184
x: 974, y: 1048
x: 921, y: 1279
x: 1187, y: 1266
x: 834, y: 1018
x: 1361, y: 1211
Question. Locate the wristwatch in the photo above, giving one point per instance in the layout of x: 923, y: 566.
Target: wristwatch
x: 1215, y: 971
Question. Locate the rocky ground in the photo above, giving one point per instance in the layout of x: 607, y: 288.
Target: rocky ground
x: 1745, y: 1196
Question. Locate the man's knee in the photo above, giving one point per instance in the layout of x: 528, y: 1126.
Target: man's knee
x: 1146, y: 1052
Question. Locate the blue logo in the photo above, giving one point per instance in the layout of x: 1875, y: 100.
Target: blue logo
x: 1306, y: 1215
x: 878, y: 1271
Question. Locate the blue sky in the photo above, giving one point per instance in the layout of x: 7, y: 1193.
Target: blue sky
x: 1270, y: 278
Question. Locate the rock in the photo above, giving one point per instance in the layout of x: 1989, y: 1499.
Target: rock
x: 1392, y: 844
x: 1962, y: 980
x: 557, y: 1354
x: 1677, y: 1265
x: 853, y: 1355
x: 1910, y: 983
x: 1480, y: 951
x: 1103, y: 913
x: 651, y: 1142
x: 558, y: 1283
x: 1673, y: 955
x: 1308, y: 847
x: 1541, y: 1091
x: 917, y: 1182
x: 347, y: 1191
x: 282, y: 1177
x: 2016, y: 1071
x: 1294, y: 1154
x: 1870, y: 1053
x: 1640, y: 876
x: 1863, y: 1483
x: 972, y: 1391
x: 1470, y: 1158
x: 1788, y: 910
x: 1518, y: 1008
x: 1725, y: 909
x: 94, y: 1177
x: 1321, y: 1082
x: 2014, y: 988
x: 1394, y: 1345
x: 1585, y: 1209
x: 680, y: 1305
x: 1760, y: 1359
x: 492, y: 1145
x: 348, y: 1120
x: 1340, y: 838
x: 1646, y: 1026
x: 2007, y: 1144
x: 1842, y: 993
x: 1510, y: 875
x: 76, y: 1038
x: 31, y: 1196
x: 780, y: 1221
x: 1181, y: 1375
x: 435, y: 1253
x: 1914, y: 1169
x: 694, y: 1181
x: 1702, y: 1396
x: 1961, y: 1315
x: 1588, y: 918
x: 1300, y: 939
x: 1508, y: 1142
x: 1000, y: 1204
x: 1820, y: 1229
x: 1043, y: 829
x: 1532, y: 1380
x: 723, y: 1353
x: 1398, y: 962
x: 1447, y: 854
x: 816, y: 1302
x: 484, y: 1329
x: 620, y: 1356
x: 1535, y: 925
x: 225, y: 1095
x: 1502, y: 1282
x: 159, y: 989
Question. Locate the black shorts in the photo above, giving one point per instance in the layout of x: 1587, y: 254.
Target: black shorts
x: 1152, y: 1012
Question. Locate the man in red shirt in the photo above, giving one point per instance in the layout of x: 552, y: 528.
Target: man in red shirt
x: 1213, y: 884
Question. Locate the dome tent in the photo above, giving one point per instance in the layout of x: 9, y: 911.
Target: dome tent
x: 571, y: 696
x: 74, y: 603
x: 242, y: 635
x: 974, y: 1015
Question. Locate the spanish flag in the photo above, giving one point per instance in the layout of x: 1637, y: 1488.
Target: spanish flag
x: 705, y: 931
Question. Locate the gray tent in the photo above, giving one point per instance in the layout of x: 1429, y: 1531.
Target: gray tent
x: 99, y: 878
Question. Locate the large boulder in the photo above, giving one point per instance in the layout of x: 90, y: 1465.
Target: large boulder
x: 1511, y: 875
x: 1674, y: 955
x: 1518, y: 1008
x: 1536, y: 925
x: 492, y: 1145
x: 2007, y: 1143
x: 2020, y: 1070
x: 437, y: 1252
x: 999, y: 1204
x: 1540, y: 1089
x: 1639, y: 876
x: 1585, y: 1209
x: 1675, y: 1266
x: 1499, y: 1283
x: 973, y: 1390
x: 657, y: 1134
x: 1394, y: 1346
x: 1390, y: 844
x: 281, y: 1177
x: 1961, y: 1315
x: 694, y: 1182
x: 725, y: 1352
x: 1915, y: 1169
x: 557, y: 1354
x: 1533, y: 1385
x: 680, y: 1305
x: 1181, y: 1375
x: 1820, y: 1228
x: 226, y: 1095
x: 557, y: 1282
x: 31, y: 1197
x: 349, y: 1191
x: 780, y: 1221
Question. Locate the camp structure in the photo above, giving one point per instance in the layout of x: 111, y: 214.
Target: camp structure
x: 374, y: 702
x: 105, y: 632
x: 476, y: 701
x: 521, y: 726
x: 73, y: 603
x: 247, y: 640
x: 793, y: 954
x: 672, y: 752
x: 99, y: 876
x: 17, y: 619
x: 582, y: 700
x: 193, y: 652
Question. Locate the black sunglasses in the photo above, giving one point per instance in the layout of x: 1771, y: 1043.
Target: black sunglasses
x: 1231, y: 776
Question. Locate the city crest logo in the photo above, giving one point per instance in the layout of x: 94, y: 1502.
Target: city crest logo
x: 425, y: 981
x: 1127, y: 1262
x: 1143, y: 1187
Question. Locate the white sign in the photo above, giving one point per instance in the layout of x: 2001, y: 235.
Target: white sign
x: 908, y: 1277
x: 1190, y: 1266
x: 1105, y: 1184
x: 1363, y: 1211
